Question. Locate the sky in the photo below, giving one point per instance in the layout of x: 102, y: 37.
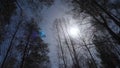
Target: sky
x: 57, y: 10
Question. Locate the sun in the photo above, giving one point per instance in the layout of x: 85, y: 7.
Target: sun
x: 74, y: 31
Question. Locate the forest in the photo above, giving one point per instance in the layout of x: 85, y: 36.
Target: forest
x: 59, y: 33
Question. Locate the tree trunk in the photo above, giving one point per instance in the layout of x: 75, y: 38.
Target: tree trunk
x: 105, y: 11
x: 10, y: 45
x: 25, y: 51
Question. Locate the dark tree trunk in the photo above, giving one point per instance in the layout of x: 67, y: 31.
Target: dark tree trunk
x: 114, y: 19
x: 10, y: 45
x: 25, y: 51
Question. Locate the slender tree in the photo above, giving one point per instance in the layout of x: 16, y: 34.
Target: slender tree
x: 98, y: 12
